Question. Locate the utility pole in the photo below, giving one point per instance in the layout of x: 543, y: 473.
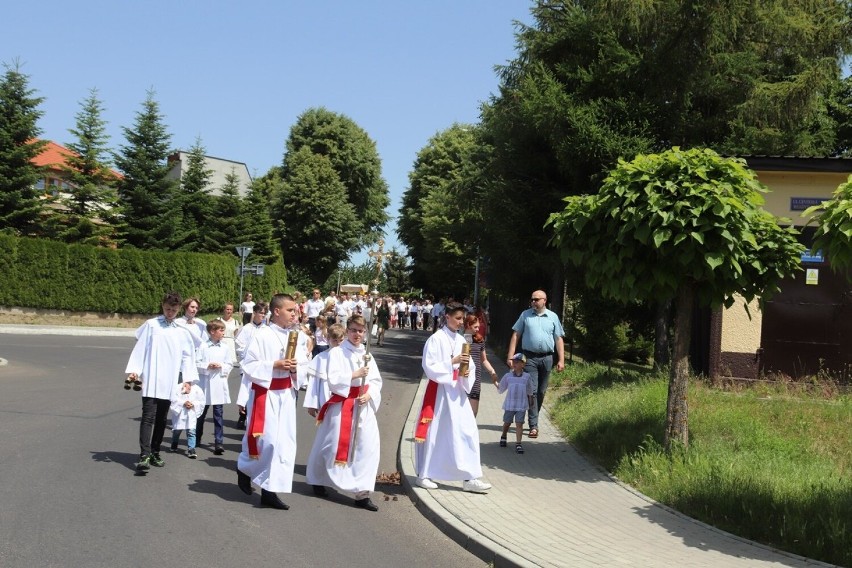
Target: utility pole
x: 243, y: 252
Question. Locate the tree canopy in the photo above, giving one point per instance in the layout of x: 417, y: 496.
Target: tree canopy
x: 685, y: 225
x: 20, y: 206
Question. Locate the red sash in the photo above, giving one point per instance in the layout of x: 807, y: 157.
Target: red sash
x: 427, y: 412
x: 258, y: 412
x: 346, y: 422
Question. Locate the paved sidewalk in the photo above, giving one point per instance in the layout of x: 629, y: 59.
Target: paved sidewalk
x: 552, y: 507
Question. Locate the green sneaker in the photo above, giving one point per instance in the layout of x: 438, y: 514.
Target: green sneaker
x: 144, y: 463
x: 157, y: 461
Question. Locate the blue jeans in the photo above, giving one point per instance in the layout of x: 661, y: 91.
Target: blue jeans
x: 218, y: 424
x: 539, y: 369
x: 190, y: 438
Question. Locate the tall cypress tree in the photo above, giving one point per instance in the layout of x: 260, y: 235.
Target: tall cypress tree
x: 257, y: 231
x: 146, y: 193
x: 91, y: 184
x: 20, y: 206
x: 225, y: 231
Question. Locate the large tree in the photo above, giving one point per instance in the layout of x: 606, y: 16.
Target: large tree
x: 88, y: 210
x: 354, y: 158
x: 315, y: 223
x: 20, y: 206
x: 685, y: 226
x: 146, y: 193
x: 224, y: 230
x: 441, y: 212
x: 597, y: 80
x: 257, y: 231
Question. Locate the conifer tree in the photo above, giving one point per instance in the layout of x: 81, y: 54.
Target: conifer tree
x: 225, y: 230
x: 257, y: 230
x: 194, y: 202
x: 146, y: 193
x: 20, y: 206
x: 89, y: 205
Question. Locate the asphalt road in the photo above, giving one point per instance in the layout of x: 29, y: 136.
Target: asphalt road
x: 69, y: 495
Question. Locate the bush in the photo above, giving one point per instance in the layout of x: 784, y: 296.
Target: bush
x: 47, y: 274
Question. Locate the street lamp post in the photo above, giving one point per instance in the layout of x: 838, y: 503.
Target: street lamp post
x: 243, y: 252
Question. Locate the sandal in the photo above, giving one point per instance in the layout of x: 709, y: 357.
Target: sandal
x: 519, y: 449
x: 533, y: 433
x: 502, y: 442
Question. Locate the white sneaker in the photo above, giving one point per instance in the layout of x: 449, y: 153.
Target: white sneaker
x: 476, y: 486
x: 427, y: 483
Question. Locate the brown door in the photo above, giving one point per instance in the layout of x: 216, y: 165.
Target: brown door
x: 807, y: 326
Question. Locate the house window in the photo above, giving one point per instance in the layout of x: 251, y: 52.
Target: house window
x: 40, y: 184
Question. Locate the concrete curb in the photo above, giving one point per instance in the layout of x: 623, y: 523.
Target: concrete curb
x: 466, y: 536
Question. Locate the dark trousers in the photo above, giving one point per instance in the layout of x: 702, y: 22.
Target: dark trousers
x: 218, y: 424
x: 539, y: 368
x: 155, y: 411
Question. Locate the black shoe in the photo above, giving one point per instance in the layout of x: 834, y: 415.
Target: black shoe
x: 219, y: 450
x: 173, y: 448
x: 270, y: 499
x: 144, y: 463
x: 366, y: 503
x: 320, y: 491
x: 244, y: 482
x: 157, y: 461
x: 241, y: 423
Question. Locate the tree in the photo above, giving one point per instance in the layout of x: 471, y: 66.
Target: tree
x: 598, y: 80
x: 89, y: 216
x: 833, y: 221
x: 441, y: 215
x: 397, y: 272
x: 20, y: 206
x: 685, y: 225
x: 194, y: 202
x: 353, y: 156
x: 316, y: 225
x: 145, y: 192
x: 257, y: 232
x: 224, y: 231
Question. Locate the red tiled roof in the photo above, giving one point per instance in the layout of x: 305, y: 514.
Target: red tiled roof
x: 54, y: 156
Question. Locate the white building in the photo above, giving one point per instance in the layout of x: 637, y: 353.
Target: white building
x: 220, y: 168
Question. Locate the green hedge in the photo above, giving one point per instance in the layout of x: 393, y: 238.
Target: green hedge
x: 39, y: 273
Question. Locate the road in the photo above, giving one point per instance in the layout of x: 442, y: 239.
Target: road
x: 70, y: 495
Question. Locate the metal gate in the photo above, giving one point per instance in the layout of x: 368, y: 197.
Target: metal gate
x: 807, y: 326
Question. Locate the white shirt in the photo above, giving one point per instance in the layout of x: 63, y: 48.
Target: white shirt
x: 313, y: 308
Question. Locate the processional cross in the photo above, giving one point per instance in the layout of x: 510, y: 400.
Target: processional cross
x: 379, y: 257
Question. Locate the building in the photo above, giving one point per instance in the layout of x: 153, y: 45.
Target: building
x: 805, y: 328
x: 218, y: 167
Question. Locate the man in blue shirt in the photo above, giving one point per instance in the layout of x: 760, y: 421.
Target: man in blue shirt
x: 541, y: 336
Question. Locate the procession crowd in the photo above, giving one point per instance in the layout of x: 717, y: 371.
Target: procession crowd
x: 319, y: 346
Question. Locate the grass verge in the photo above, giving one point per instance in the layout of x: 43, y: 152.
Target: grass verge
x: 762, y: 463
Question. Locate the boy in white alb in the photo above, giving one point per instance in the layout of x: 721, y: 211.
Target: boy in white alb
x: 187, y: 404
x: 214, y: 365
x: 345, y: 454
x: 519, y: 392
x: 243, y: 339
x: 317, y: 393
x: 446, y: 436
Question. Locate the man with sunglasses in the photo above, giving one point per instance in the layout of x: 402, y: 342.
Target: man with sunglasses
x: 541, y: 336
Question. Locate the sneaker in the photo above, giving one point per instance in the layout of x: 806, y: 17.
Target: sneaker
x: 219, y: 450
x: 427, y: 483
x: 144, y: 463
x: 476, y: 486
x: 190, y: 453
x: 173, y: 448
x: 519, y: 449
x: 502, y: 442
x: 157, y: 461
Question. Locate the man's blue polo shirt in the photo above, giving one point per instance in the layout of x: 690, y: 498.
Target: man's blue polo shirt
x: 538, y: 331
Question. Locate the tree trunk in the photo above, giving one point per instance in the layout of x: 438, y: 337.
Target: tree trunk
x: 677, y: 424
x: 662, y: 353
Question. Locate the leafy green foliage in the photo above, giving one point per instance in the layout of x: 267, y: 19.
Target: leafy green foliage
x: 833, y: 233
x: 145, y: 192
x: 195, y: 204
x: 20, y: 206
x: 224, y: 230
x: 353, y: 156
x: 316, y: 225
x: 678, y: 219
x: 257, y: 231
x: 42, y: 273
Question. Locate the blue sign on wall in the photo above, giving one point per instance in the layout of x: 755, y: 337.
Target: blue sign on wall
x: 808, y: 257
x: 802, y: 203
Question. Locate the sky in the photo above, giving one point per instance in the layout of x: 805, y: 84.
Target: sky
x: 238, y: 74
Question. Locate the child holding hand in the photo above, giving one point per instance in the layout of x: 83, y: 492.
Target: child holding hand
x: 519, y: 392
x: 187, y: 404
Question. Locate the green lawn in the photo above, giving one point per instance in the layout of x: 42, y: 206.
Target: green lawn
x: 772, y: 464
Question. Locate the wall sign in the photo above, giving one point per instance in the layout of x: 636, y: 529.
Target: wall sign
x: 812, y: 276
x: 802, y: 203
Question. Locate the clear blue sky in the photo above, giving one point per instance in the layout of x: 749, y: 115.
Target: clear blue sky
x: 238, y: 74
